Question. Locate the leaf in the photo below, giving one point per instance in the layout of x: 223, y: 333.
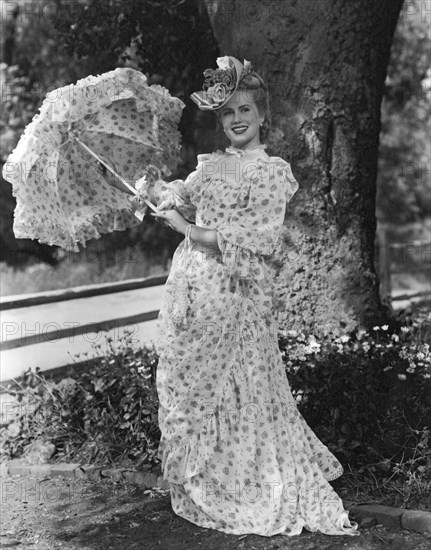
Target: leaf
x: 345, y: 429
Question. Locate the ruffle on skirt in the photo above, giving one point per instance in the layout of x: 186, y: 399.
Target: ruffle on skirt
x: 180, y: 462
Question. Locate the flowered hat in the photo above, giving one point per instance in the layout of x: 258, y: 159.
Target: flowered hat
x: 220, y: 84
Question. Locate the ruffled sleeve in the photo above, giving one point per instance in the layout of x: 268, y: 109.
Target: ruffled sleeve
x: 253, y: 230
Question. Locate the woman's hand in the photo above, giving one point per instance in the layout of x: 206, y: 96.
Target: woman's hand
x: 173, y: 219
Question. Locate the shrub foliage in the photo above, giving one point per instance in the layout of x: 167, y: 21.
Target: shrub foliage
x: 367, y: 397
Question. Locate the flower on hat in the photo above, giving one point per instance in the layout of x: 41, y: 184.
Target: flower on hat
x: 226, y: 77
x: 218, y: 92
x: 247, y: 68
x: 224, y: 62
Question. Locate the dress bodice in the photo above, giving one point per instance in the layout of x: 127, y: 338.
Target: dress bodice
x: 225, y: 182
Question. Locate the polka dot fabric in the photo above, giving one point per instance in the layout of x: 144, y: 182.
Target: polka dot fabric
x: 239, y: 456
x: 62, y: 198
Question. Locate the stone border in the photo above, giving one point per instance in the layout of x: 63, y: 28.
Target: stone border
x: 370, y: 514
x: 393, y: 518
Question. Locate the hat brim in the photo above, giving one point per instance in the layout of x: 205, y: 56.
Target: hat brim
x: 206, y: 102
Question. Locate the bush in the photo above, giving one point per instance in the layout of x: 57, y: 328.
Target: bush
x: 367, y: 397
x: 106, y: 415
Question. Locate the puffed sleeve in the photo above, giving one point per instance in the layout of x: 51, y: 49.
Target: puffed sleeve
x: 253, y: 230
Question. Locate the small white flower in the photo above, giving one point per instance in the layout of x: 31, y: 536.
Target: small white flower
x: 312, y: 347
x: 385, y: 327
x: 402, y: 376
x: 376, y: 328
x: 13, y: 429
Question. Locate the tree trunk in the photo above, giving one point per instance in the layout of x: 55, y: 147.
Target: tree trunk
x: 10, y: 15
x: 325, y: 63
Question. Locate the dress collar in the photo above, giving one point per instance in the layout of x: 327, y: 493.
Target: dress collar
x: 241, y: 152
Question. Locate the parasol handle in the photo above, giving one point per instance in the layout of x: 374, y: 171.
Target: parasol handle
x: 114, y: 173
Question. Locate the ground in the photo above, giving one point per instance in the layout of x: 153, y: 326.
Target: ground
x: 56, y: 513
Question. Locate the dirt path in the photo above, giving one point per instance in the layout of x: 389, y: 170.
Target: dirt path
x: 54, y: 513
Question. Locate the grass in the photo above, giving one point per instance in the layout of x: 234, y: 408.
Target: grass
x: 76, y: 270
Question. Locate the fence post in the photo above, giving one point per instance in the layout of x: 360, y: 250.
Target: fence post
x: 384, y: 264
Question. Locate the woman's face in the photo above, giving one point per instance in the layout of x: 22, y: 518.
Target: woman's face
x: 241, y: 120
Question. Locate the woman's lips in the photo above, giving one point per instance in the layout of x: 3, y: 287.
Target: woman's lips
x: 239, y: 129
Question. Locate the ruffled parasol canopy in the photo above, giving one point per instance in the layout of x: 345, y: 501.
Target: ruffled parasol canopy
x: 114, y: 120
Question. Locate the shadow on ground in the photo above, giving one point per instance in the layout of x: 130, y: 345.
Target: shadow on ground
x: 55, y: 514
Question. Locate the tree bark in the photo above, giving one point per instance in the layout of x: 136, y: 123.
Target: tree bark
x: 325, y: 62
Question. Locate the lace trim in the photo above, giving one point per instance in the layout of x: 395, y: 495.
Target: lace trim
x: 241, y: 152
x: 178, y: 300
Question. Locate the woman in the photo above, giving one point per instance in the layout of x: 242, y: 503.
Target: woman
x: 237, y: 453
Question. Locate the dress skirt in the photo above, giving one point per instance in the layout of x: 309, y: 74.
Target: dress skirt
x: 239, y: 456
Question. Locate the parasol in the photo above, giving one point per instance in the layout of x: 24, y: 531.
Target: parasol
x: 115, y: 120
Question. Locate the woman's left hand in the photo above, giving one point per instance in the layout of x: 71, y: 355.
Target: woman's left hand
x: 173, y: 219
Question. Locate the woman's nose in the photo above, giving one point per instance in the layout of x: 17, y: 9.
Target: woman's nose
x: 236, y: 117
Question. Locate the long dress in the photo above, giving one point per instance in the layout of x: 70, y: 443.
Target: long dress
x: 237, y: 453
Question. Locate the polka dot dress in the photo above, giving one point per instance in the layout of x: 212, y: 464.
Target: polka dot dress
x: 239, y: 456
x: 62, y: 197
